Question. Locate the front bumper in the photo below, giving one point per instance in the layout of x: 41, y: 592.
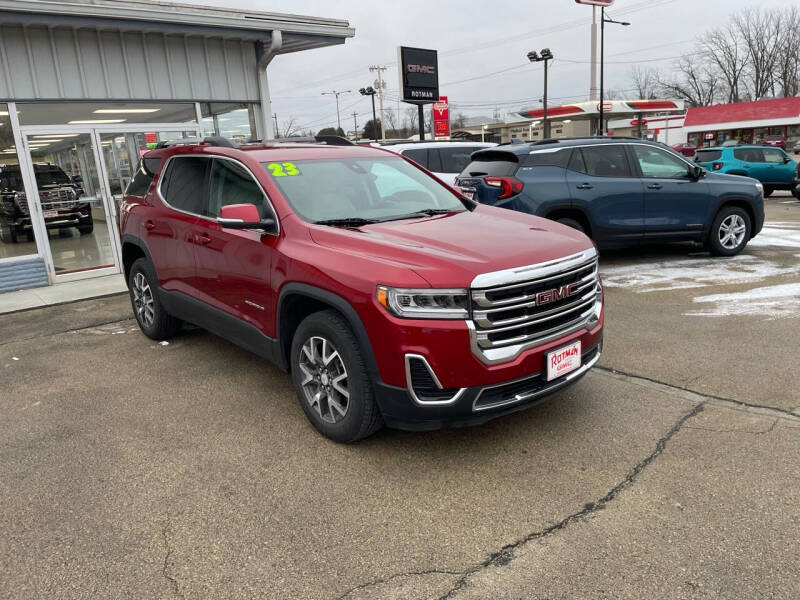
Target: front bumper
x: 478, y: 404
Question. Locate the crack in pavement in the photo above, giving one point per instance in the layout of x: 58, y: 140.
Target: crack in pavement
x: 173, y: 582
x: 762, y: 409
x: 61, y: 331
x: 714, y: 430
x: 383, y: 580
x: 506, y: 554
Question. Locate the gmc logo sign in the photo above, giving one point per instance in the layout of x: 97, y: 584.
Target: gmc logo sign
x: 427, y: 69
x: 556, y: 294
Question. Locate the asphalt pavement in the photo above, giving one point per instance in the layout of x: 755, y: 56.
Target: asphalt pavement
x: 187, y: 470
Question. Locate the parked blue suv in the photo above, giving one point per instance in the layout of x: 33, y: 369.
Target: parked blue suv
x: 618, y: 191
x: 769, y: 164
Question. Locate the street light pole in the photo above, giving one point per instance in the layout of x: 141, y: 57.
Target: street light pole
x: 545, y: 56
x: 603, y: 22
x: 370, y: 91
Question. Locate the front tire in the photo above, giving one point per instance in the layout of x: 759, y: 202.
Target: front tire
x: 730, y: 231
x: 768, y: 191
x: 154, y: 321
x: 331, y: 379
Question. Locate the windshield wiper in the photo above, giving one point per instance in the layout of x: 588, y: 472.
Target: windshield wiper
x: 346, y: 222
x: 426, y: 212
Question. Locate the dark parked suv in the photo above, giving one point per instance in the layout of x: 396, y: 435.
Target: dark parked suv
x: 361, y: 273
x: 619, y: 191
x: 59, y: 196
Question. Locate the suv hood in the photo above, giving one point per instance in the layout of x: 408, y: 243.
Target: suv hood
x: 450, y: 250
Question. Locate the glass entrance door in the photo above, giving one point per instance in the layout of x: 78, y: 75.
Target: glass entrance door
x: 121, y: 153
x: 73, y: 204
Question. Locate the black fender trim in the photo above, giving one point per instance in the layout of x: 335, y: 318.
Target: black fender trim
x: 340, y: 304
x: 129, y: 238
x: 736, y: 200
x: 221, y: 324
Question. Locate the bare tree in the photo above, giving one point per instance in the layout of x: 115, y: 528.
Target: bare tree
x: 644, y: 81
x: 722, y: 48
x: 390, y: 118
x: 788, y: 67
x: 411, y: 115
x: 760, y: 34
x: 290, y: 128
x: 695, y: 81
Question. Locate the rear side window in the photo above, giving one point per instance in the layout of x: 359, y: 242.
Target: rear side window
x: 771, y: 155
x: 493, y: 164
x: 548, y: 158
x: 418, y: 155
x: 143, y: 177
x: 230, y: 183
x: 454, y: 159
x: 708, y: 155
x: 184, y: 183
x: 603, y: 161
x: 749, y: 154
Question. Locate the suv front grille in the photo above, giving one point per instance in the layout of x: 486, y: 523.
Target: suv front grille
x: 60, y: 199
x: 555, y: 298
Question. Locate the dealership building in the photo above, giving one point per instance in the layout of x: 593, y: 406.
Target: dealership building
x: 87, y: 86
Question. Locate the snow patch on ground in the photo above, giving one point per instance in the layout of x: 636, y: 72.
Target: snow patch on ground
x: 778, y: 234
x: 692, y: 273
x: 772, y: 302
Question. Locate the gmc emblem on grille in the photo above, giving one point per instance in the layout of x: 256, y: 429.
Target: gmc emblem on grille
x: 556, y: 294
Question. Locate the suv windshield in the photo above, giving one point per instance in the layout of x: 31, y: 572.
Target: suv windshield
x: 380, y: 189
x: 52, y: 176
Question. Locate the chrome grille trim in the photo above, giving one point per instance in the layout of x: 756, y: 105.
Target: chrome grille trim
x: 502, y: 328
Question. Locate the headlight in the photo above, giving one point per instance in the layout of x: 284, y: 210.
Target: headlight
x: 760, y: 188
x: 424, y: 303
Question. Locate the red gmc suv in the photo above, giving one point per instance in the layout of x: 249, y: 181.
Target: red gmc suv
x: 388, y: 296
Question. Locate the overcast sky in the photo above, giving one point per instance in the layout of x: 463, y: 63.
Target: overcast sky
x: 476, y: 38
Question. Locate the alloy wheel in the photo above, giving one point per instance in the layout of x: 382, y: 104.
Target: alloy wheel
x: 324, y: 379
x: 732, y: 231
x: 143, y: 300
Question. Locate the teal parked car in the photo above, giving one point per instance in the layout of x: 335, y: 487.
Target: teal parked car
x: 770, y: 165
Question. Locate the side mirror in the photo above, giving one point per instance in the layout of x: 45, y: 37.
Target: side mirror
x: 786, y: 159
x: 243, y: 216
x: 697, y: 172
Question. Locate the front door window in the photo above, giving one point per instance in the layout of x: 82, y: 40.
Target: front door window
x: 71, y: 202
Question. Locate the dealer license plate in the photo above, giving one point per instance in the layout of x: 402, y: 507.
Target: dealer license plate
x: 564, y: 360
x: 49, y: 214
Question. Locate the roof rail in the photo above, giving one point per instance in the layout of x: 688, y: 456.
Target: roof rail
x: 584, y: 137
x: 214, y: 140
x: 330, y: 140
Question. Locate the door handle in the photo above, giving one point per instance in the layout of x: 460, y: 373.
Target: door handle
x: 149, y: 225
x: 654, y: 186
x: 202, y: 239
x: 585, y: 186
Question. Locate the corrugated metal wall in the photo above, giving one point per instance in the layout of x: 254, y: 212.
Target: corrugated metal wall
x: 55, y: 63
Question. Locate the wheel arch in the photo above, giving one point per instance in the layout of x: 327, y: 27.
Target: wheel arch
x: 298, y: 300
x: 133, y: 248
x: 572, y: 212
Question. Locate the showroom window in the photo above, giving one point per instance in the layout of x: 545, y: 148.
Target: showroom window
x: 105, y: 113
x: 230, y: 120
x: 16, y: 233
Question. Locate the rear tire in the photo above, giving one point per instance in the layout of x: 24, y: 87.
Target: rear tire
x: 154, y: 321
x: 730, y: 232
x: 331, y: 379
x: 572, y: 223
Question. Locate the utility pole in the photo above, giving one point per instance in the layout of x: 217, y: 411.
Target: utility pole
x: 355, y: 124
x: 380, y: 70
x: 335, y: 93
x: 277, y: 133
x: 593, y: 87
